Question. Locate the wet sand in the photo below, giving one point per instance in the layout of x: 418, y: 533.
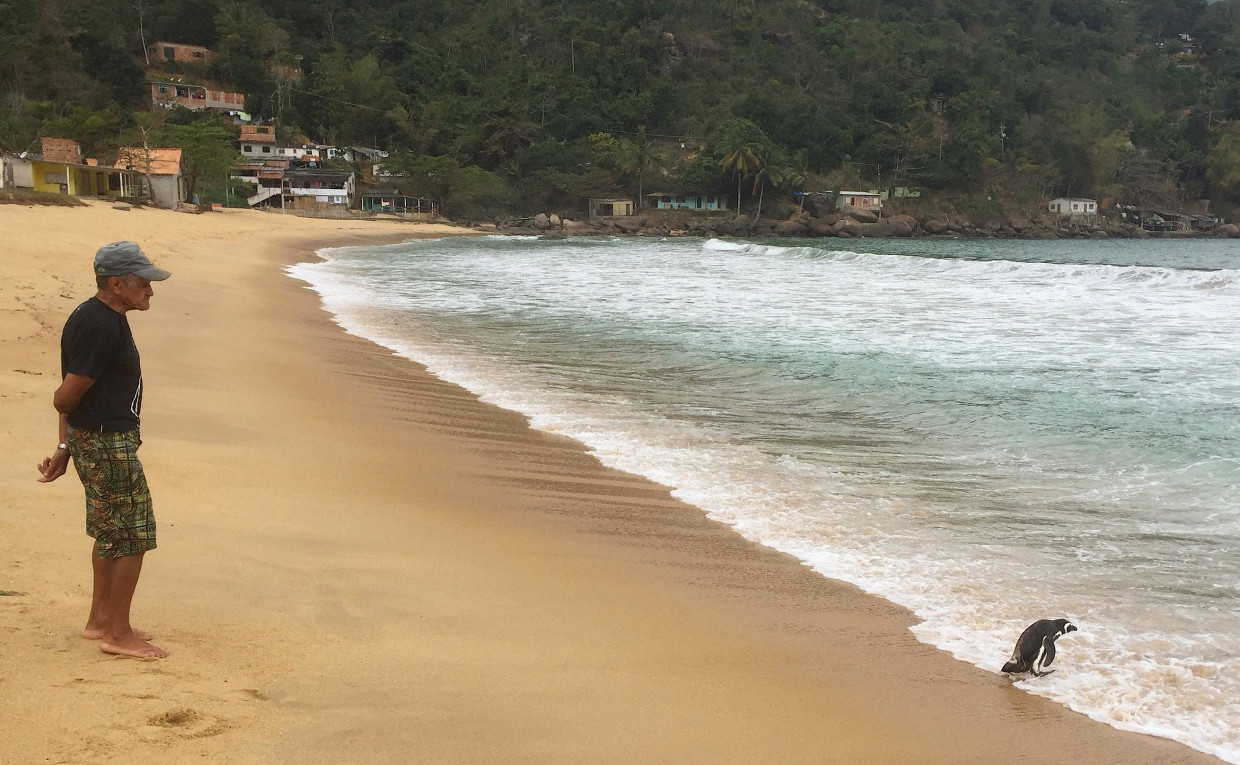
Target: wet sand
x: 359, y: 563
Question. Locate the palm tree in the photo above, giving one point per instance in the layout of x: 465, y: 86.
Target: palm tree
x: 796, y: 175
x: 743, y: 162
x: 637, y: 157
x: 768, y: 173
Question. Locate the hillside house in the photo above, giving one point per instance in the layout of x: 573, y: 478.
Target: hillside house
x: 257, y: 140
x: 173, y: 91
x: 303, y: 154
x: 687, y: 201
x: 162, y: 52
x: 61, y: 169
x: 1073, y: 207
x: 159, y: 170
x: 352, y: 153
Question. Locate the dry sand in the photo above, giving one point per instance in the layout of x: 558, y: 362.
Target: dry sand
x: 359, y: 563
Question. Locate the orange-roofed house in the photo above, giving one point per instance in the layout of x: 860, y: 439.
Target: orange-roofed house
x: 159, y: 170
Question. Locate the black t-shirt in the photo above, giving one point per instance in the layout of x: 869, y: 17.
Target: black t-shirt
x: 97, y: 344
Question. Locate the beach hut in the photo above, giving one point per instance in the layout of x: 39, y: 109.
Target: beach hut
x: 610, y: 208
x: 1073, y: 207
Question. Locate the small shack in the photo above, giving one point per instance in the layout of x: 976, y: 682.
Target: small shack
x: 610, y: 208
x: 858, y: 200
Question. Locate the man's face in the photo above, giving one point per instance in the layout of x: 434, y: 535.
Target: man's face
x: 134, y: 292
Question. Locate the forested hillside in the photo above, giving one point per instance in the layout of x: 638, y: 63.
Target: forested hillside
x: 540, y: 103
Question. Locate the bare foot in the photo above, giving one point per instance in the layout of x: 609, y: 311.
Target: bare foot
x: 131, y: 645
x: 96, y: 633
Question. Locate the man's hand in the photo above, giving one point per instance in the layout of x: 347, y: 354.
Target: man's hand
x: 54, y: 466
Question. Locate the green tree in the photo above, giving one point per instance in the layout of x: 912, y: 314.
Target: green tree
x: 207, y: 152
x: 1223, y: 165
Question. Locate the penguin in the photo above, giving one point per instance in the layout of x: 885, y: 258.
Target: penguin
x: 1035, y: 650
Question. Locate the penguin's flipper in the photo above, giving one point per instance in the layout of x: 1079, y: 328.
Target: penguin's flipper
x: 1048, y: 651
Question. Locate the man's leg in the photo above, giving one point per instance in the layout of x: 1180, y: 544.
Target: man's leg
x: 96, y: 623
x: 99, y: 595
x: 119, y: 637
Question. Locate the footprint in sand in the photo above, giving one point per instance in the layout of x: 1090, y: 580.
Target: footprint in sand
x: 189, y: 723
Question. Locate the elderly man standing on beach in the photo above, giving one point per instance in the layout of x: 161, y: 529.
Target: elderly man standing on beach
x: 99, y: 401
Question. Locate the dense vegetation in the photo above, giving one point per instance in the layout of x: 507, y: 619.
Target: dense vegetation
x: 541, y: 103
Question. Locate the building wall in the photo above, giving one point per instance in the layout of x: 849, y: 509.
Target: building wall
x: 62, y: 150
x: 16, y: 173
x: 1073, y: 206
x: 167, y: 191
x: 54, y: 179
x: 181, y: 53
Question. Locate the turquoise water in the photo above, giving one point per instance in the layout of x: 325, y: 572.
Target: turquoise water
x: 988, y: 432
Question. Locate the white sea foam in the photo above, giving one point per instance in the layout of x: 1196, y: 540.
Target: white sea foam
x: 1145, y: 659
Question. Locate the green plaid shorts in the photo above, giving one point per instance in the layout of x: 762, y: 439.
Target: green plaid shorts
x: 119, y: 514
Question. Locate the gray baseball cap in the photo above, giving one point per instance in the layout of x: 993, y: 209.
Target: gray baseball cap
x: 121, y: 258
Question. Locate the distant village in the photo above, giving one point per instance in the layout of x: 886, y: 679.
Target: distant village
x: 306, y: 178
x: 283, y: 176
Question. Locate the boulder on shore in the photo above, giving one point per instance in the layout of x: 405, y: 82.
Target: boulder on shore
x: 791, y: 228
x: 542, y: 222
x: 821, y: 226
x: 862, y: 216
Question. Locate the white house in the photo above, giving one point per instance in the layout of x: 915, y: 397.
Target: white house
x: 1073, y: 207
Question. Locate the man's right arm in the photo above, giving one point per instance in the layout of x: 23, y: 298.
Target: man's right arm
x: 69, y: 395
x: 67, y: 398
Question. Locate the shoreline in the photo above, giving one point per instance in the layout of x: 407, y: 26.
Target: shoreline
x: 415, y: 575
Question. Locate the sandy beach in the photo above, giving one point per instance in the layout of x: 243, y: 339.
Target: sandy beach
x: 359, y: 563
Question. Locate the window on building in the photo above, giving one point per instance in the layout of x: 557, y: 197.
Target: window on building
x: 247, y: 148
x: 170, y: 53
x: 197, y: 54
x: 182, y: 92
x: 266, y: 149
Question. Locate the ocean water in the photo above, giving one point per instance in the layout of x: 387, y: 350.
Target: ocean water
x: 987, y: 432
